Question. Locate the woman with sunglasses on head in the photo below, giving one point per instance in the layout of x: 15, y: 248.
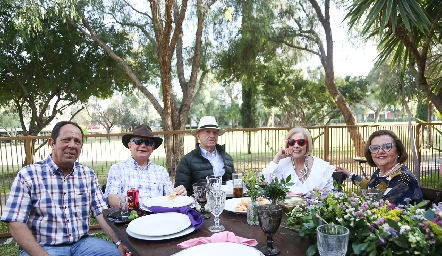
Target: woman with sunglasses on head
x: 307, y: 172
x: 138, y: 171
x: 386, y: 151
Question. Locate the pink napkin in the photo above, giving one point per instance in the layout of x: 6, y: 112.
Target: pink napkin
x: 225, y: 236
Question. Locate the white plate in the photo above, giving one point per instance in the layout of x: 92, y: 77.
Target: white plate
x: 232, y: 203
x: 159, y: 224
x: 188, y: 230
x: 219, y: 249
x: 165, y: 201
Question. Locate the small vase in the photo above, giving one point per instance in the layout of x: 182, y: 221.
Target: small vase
x: 252, y: 212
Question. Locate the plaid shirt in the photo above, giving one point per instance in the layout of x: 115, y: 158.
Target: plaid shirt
x: 55, y: 208
x: 151, y: 181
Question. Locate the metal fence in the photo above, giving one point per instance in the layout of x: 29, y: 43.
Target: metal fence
x: 250, y: 148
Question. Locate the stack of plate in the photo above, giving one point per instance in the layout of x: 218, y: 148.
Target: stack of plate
x: 160, y: 226
x: 165, y: 201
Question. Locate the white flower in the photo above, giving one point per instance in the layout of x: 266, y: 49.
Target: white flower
x: 404, y: 228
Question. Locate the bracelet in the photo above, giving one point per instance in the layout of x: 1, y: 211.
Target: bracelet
x: 118, y: 243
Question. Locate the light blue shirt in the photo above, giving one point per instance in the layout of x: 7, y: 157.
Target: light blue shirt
x: 216, y: 160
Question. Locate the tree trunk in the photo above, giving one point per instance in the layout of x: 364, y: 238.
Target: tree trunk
x: 376, y: 115
x: 326, y: 57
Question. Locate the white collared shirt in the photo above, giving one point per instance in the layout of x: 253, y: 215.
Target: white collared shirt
x: 216, y: 160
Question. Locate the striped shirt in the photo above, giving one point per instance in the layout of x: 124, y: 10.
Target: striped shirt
x: 151, y: 181
x: 55, y: 208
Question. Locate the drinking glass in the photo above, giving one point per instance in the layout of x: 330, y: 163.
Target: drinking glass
x: 124, y: 209
x: 237, y: 184
x: 199, y: 190
x: 214, y: 182
x: 216, y: 200
x: 332, y: 240
x: 269, y: 217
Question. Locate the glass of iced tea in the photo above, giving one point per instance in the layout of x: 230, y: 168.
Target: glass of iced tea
x: 238, y: 185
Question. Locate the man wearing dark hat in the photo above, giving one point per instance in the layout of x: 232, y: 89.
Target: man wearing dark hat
x: 138, y: 172
x: 208, y: 158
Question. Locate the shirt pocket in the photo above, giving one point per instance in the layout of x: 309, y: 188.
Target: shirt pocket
x: 152, y: 189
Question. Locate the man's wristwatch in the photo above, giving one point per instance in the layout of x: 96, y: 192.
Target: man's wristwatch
x: 118, y: 243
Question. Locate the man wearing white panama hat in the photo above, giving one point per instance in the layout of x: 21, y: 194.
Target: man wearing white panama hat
x: 208, y: 158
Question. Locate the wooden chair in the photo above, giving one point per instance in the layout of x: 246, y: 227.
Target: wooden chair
x: 434, y: 196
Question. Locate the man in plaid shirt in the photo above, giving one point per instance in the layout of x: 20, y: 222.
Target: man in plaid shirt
x: 50, y: 201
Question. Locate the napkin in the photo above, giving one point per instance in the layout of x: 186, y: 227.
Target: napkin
x: 195, y: 218
x: 225, y: 236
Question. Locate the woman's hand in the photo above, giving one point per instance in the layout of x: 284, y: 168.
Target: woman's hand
x: 282, y: 153
x: 342, y: 169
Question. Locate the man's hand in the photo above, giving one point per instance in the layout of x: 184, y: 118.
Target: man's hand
x: 180, y: 190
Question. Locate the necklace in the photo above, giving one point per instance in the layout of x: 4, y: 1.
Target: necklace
x: 388, y: 173
x: 303, y: 175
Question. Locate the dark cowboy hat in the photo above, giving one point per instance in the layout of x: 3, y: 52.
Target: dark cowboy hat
x: 141, y: 131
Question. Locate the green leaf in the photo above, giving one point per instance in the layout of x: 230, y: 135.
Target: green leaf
x: 312, y: 250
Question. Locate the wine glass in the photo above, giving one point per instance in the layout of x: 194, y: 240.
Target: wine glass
x: 199, y: 190
x: 216, y: 200
x: 214, y: 182
x: 269, y: 217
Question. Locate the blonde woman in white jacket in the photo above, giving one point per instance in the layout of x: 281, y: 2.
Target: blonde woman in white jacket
x: 308, y: 172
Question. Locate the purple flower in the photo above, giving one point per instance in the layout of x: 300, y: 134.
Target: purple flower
x: 380, y: 221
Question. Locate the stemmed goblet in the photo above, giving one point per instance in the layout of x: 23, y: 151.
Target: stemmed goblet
x: 199, y: 190
x: 216, y: 200
x: 269, y: 217
x: 214, y: 182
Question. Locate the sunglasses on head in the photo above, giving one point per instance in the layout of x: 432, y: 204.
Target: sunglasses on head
x: 386, y: 147
x: 148, y: 142
x: 301, y: 142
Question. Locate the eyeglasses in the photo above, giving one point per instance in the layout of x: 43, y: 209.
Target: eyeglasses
x: 301, y: 142
x: 148, y: 142
x: 386, y: 147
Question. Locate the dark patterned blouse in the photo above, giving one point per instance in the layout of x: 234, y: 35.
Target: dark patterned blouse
x: 398, y: 187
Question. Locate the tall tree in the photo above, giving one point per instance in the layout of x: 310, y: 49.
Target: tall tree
x: 46, y: 73
x: 158, y: 29
x: 306, y: 26
x: 410, y: 32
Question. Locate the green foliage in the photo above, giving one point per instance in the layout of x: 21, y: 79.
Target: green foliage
x: 252, y: 181
x: 422, y: 111
x: 55, y: 65
x: 277, y: 189
x: 300, y: 101
x: 10, y: 249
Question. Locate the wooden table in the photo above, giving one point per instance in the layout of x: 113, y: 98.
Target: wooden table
x: 285, y: 239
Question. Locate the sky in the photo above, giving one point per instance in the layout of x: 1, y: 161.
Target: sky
x: 352, y: 56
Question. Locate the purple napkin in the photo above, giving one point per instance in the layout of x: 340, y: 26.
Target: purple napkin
x: 194, y: 216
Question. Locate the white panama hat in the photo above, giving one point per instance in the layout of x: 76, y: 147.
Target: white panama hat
x: 208, y: 122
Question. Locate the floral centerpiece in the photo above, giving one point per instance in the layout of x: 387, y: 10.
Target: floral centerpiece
x: 376, y: 227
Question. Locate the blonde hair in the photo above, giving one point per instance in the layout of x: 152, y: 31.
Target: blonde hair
x: 306, y: 134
